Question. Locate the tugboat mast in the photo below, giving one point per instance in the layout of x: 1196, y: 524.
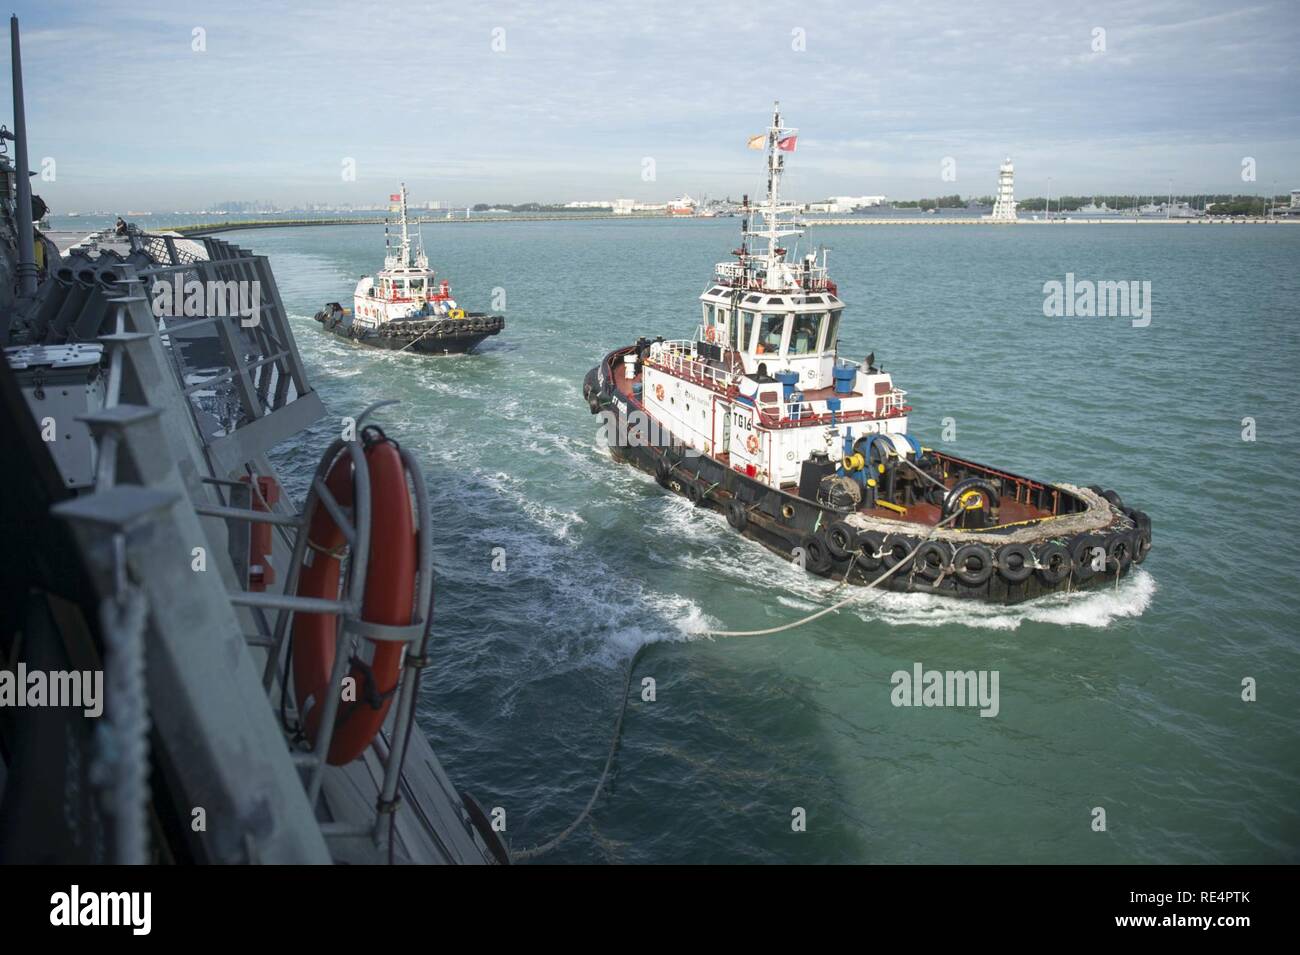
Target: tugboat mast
x: 405, y: 255
x: 405, y: 258
x: 772, y: 210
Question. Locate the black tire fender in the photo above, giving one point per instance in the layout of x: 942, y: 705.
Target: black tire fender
x: 1141, y: 544
x: 737, y: 515
x: 1139, y: 518
x: 1055, y: 562
x: 694, y: 491
x: 662, y: 470
x: 1119, y: 551
x: 982, y: 558
x: 817, y: 556
x: 1015, y: 563
x: 934, y: 557
x: 952, y: 500
x: 1083, y: 552
x: 870, y: 544
x: 897, y: 547
x: 841, y: 539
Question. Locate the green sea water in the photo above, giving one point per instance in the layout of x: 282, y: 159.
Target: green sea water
x: 1127, y: 699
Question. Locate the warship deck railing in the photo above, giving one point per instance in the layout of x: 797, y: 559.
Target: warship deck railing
x: 273, y: 401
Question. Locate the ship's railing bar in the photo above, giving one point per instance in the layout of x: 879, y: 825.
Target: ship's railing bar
x: 106, y: 446
x: 410, y: 680
x: 245, y: 514
x: 295, y: 567
x: 228, y: 375
x: 335, y: 511
x: 255, y: 598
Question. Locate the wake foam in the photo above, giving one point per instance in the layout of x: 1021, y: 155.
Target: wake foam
x: 1096, y: 609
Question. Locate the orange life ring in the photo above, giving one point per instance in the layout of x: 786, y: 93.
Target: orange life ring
x: 711, y: 333
x: 752, y: 443
x: 389, y: 599
x: 659, y: 392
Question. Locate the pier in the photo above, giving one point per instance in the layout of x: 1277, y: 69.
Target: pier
x: 212, y: 228
x: 1118, y: 220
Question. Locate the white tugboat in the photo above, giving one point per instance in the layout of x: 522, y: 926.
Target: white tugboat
x: 809, y: 453
x: 406, y: 306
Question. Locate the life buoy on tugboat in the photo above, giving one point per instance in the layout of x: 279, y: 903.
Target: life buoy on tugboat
x: 752, y: 443
x: 389, y: 600
x: 659, y: 392
x: 711, y: 334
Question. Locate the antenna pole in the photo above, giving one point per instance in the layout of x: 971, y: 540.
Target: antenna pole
x: 26, y: 244
x: 406, y: 239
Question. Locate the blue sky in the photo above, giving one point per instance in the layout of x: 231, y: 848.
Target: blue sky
x: 583, y: 92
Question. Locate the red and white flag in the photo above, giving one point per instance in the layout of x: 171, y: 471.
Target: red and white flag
x: 395, y: 197
x: 787, y: 145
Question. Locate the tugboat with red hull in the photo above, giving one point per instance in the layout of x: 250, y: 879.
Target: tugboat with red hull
x: 808, y: 453
x: 406, y: 307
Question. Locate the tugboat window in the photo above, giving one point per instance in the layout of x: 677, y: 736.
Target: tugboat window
x: 770, y: 328
x: 803, y: 335
x: 832, y: 330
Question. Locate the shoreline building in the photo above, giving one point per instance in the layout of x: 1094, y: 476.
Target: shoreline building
x: 841, y: 204
x: 626, y: 207
x: 1004, y: 207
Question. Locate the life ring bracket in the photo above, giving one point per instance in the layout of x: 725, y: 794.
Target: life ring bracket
x: 391, y: 633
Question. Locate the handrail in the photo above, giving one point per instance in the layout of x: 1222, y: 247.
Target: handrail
x: 679, y: 355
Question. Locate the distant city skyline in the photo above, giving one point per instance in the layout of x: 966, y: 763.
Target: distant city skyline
x: 162, y: 106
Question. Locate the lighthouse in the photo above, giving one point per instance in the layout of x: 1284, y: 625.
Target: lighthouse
x: 1004, y: 208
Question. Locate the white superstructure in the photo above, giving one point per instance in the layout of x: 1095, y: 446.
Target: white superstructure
x: 1004, y: 207
x: 406, y: 288
x: 761, y: 386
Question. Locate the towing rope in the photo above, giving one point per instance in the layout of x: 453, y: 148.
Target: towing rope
x: 866, y: 591
x: 615, y: 739
x: 617, y: 736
